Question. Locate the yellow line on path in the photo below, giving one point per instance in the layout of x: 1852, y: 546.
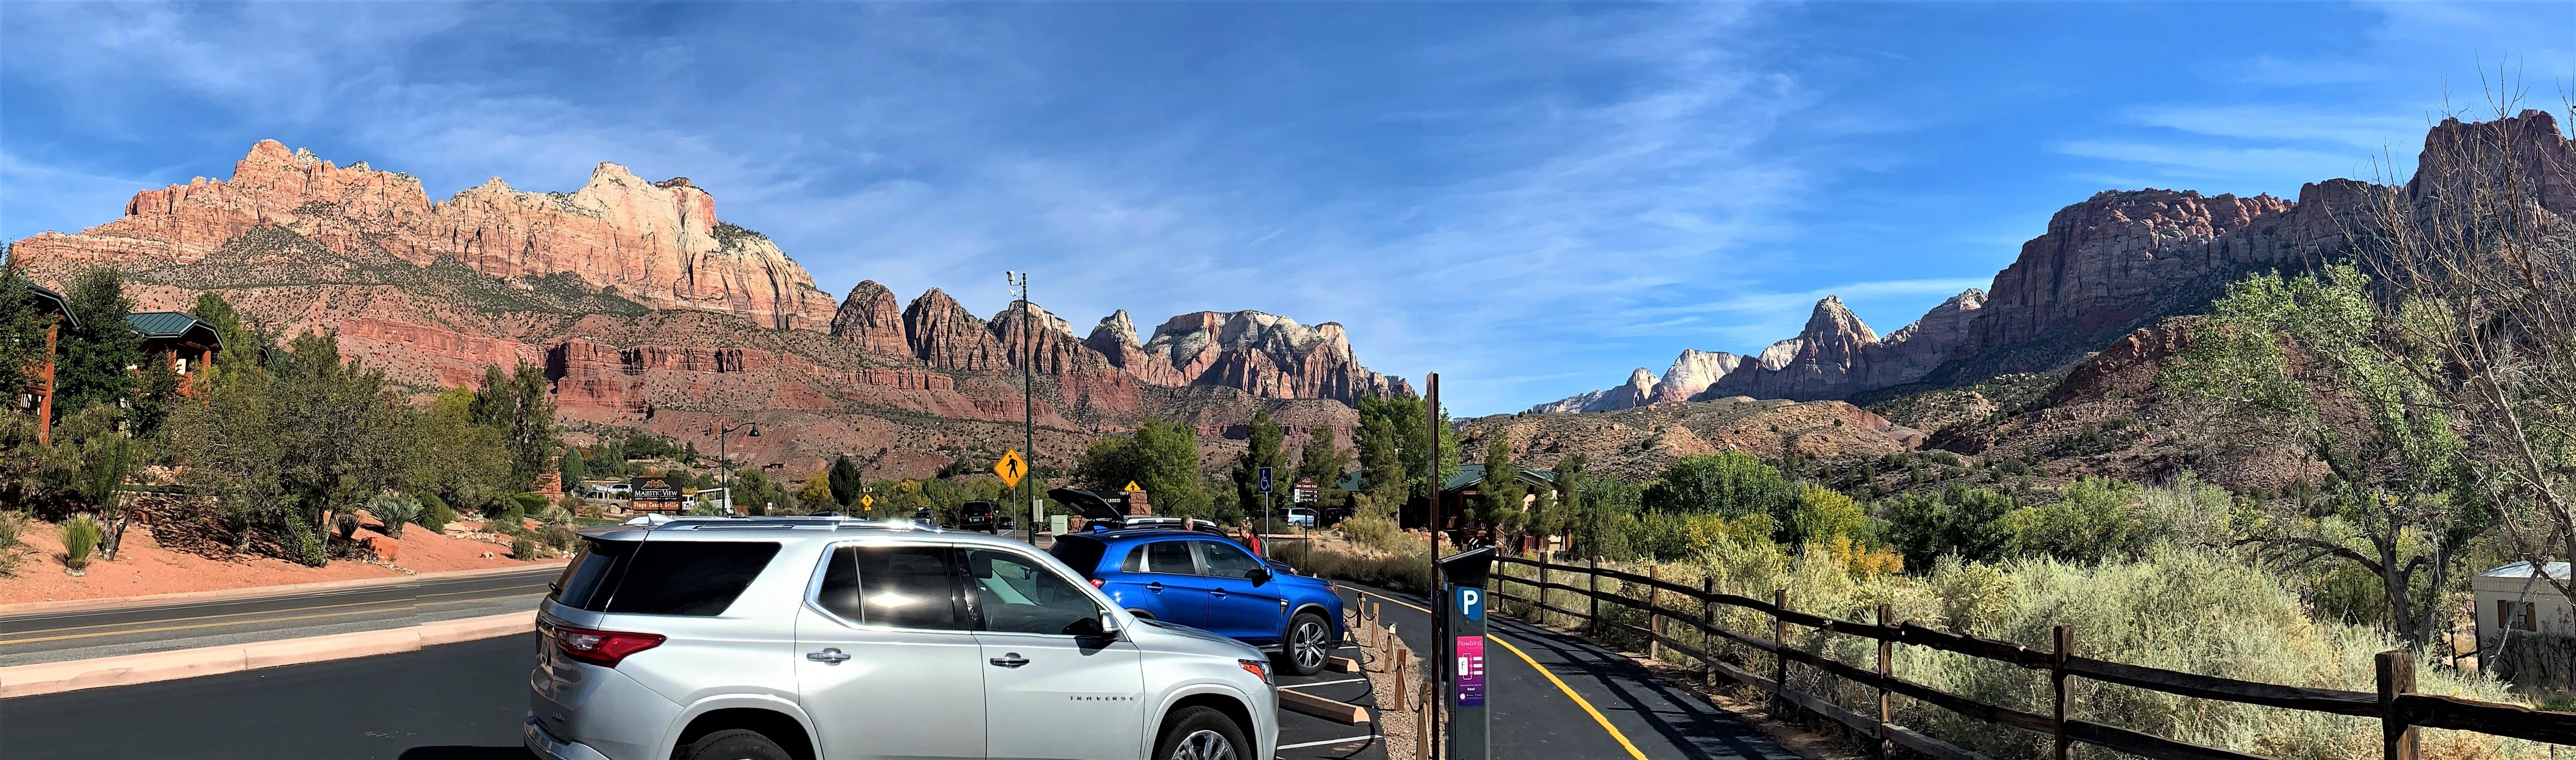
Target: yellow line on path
x: 1597, y: 717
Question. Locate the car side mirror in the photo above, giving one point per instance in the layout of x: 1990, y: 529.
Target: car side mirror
x: 1259, y: 575
x: 1099, y: 626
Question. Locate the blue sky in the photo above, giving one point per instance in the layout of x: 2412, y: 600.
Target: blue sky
x: 1528, y: 198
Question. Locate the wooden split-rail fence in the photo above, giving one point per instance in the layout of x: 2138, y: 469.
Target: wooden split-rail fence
x: 2395, y: 705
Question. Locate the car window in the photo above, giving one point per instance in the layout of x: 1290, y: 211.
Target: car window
x: 1135, y: 562
x: 899, y: 586
x: 1225, y: 561
x: 1169, y: 557
x: 1082, y: 553
x: 1015, y: 594
x: 698, y: 578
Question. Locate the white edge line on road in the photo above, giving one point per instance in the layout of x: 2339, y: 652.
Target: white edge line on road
x: 1329, y: 741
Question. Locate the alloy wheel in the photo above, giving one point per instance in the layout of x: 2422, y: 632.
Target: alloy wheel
x: 1309, y: 646
x: 1204, y: 744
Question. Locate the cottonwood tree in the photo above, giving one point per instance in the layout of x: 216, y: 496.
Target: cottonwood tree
x: 2312, y: 355
x: 1160, y: 457
x: 2475, y: 265
x: 518, y: 402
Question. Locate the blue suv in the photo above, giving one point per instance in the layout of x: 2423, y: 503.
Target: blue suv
x: 1211, y: 583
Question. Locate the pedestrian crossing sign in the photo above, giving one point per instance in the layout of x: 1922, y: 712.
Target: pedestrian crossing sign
x: 1012, y: 468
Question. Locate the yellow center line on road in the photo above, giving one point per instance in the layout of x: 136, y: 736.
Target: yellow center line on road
x: 1597, y: 717
x: 373, y: 607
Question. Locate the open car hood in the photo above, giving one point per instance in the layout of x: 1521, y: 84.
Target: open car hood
x: 1089, y: 504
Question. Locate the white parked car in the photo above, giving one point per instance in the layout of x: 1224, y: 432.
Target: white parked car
x: 803, y: 637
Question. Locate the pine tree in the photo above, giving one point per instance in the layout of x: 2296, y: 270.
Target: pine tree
x: 1264, y: 446
x: 845, y: 480
x: 94, y: 363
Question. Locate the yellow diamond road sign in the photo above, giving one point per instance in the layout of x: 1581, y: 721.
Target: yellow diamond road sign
x: 1012, y: 468
x: 867, y: 501
x: 1131, y: 485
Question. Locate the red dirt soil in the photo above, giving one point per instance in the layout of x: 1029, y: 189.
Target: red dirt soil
x: 147, y: 568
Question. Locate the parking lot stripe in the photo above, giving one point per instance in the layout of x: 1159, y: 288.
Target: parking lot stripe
x: 1597, y: 717
x: 1330, y: 741
x: 1322, y: 683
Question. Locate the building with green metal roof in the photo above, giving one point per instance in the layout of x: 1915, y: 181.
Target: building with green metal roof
x: 187, y: 341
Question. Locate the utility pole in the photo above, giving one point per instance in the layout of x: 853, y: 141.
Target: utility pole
x: 1439, y: 601
x: 724, y: 468
x: 1019, y: 282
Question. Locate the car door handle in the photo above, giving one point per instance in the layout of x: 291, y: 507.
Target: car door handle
x: 1156, y: 587
x: 1011, y: 660
x: 1217, y: 592
x: 828, y: 655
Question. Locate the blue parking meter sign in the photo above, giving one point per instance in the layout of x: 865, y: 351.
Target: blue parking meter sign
x: 1471, y: 602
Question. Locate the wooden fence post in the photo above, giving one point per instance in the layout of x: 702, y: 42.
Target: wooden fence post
x: 2396, y: 677
x: 1707, y: 619
x: 2057, y: 684
x: 1593, y: 580
x: 1542, y: 585
x: 1654, y: 613
x: 1780, y: 639
x: 1886, y: 670
x: 1404, y: 678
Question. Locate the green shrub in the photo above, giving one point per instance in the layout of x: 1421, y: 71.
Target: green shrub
x: 80, y: 535
x: 531, y: 503
x: 434, y: 513
x: 523, y: 547
x: 396, y: 510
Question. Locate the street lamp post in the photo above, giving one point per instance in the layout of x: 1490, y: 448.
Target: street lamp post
x: 725, y: 466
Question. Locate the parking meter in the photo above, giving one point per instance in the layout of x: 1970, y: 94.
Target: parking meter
x: 1462, y: 578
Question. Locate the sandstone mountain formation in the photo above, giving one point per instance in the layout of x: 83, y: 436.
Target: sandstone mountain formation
x: 2114, y: 263
x: 647, y: 310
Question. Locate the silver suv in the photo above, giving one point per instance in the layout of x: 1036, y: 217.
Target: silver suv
x: 811, y: 638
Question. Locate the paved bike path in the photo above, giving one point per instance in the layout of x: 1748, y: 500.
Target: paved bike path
x: 1535, y: 719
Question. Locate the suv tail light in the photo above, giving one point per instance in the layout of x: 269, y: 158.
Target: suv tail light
x: 602, y: 648
x: 1095, y: 583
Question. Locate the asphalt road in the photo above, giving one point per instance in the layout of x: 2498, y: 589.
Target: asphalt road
x: 1536, y: 717
x: 453, y: 702
x: 58, y: 636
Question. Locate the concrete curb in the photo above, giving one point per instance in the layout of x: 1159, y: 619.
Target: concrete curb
x: 245, y: 592
x: 127, y: 670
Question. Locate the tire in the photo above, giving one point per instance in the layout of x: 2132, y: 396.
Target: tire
x: 1201, y: 733
x: 1307, y: 645
x: 735, y: 744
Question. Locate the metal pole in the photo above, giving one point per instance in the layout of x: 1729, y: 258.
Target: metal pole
x: 1439, y: 601
x: 1029, y: 406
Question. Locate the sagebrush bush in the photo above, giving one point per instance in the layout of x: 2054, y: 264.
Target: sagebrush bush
x: 396, y: 510
x: 81, y: 535
x: 2186, y: 609
x: 523, y: 547
x: 13, y: 527
x: 558, y: 536
x: 1372, y: 531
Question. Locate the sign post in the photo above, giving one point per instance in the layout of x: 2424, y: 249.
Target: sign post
x: 1265, y: 509
x: 1463, y: 586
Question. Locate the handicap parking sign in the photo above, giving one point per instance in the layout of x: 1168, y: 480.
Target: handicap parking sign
x: 1471, y: 602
